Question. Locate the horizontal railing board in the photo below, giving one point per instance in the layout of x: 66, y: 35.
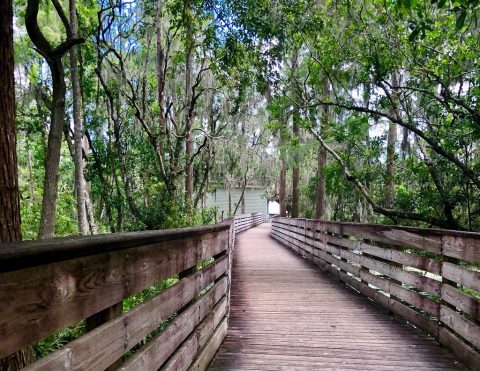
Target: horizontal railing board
x: 324, y: 225
x: 186, y: 353
x: 464, y: 248
x: 411, y: 297
x: 464, y: 352
x: 207, y: 353
x: 420, y: 281
x: 98, y: 349
x: 158, y: 349
x: 388, y: 275
x: 466, y: 303
x: 419, y: 300
x: 463, y: 276
x: 456, y: 244
x: 33, y: 253
x: 409, y: 259
x: 465, y: 328
x: 70, y: 291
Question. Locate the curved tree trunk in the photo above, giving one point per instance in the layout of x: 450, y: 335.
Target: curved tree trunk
x: 53, y: 56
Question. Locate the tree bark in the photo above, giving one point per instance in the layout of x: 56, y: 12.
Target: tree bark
x: 281, y: 189
x: 10, y: 227
x: 321, y: 191
x: 296, y: 167
x: 390, y: 178
x: 320, y: 194
x: 188, y: 106
x: 31, y: 184
x: 391, y: 142
x: 52, y: 161
x: 282, y: 183
x: 80, y: 185
x: 160, y: 71
x: 9, y: 196
x: 242, y: 195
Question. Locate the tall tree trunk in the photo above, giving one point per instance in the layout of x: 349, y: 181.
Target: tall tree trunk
x: 92, y: 226
x: 296, y: 166
x: 281, y: 189
x: 283, y: 175
x: 245, y: 182
x: 229, y: 203
x: 321, y: 189
x: 391, y: 142
x: 390, y: 180
x: 9, y: 196
x: 282, y: 186
x: 160, y: 71
x: 80, y: 185
x: 31, y: 183
x: 10, y: 230
x: 405, y: 147
x: 52, y: 161
x: 296, y: 139
x: 321, y: 194
x: 188, y: 107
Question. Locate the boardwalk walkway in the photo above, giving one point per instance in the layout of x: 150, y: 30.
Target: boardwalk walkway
x: 287, y: 315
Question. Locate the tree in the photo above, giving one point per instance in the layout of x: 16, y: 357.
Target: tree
x: 189, y: 99
x: 80, y: 185
x: 320, y: 193
x: 392, y: 141
x: 10, y: 230
x: 53, y: 56
x: 9, y: 198
x: 296, y: 141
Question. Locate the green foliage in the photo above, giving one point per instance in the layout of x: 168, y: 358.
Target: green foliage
x: 58, y: 339
x: 258, y: 65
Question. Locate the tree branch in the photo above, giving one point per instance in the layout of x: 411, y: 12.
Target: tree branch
x: 393, y: 214
x: 431, y: 141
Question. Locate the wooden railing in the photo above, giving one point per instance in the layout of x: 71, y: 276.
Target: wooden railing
x: 429, y: 277
x: 248, y: 221
x: 49, y: 285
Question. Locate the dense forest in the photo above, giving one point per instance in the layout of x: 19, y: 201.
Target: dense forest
x: 122, y: 115
x: 128, y: 112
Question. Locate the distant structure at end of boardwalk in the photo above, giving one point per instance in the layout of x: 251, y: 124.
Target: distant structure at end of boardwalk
x: 225, y: 201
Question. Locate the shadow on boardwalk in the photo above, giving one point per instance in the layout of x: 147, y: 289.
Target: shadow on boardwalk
x: 286, y: 314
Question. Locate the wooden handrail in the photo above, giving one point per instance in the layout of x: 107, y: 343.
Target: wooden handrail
x: 429, y: 277
x: 30, y: 253
x: 48, y: 285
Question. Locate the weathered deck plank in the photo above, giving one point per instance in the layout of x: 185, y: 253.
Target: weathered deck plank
x: 285, y: 314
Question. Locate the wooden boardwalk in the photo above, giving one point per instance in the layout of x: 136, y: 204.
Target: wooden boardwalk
x: 288, y: 315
